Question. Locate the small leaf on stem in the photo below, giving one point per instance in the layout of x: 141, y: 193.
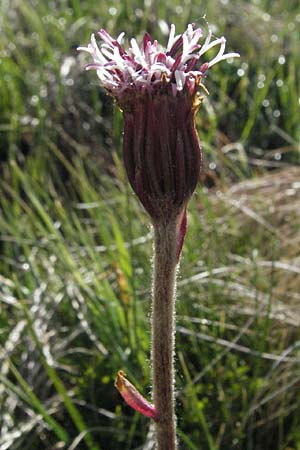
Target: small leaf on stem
x: 133, y: 398
x: 180, y: 232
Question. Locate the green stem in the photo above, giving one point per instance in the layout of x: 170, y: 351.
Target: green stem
x: 163, y: 333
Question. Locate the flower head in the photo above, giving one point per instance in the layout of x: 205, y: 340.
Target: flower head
x: 144, y: 67
x: 158, y: 91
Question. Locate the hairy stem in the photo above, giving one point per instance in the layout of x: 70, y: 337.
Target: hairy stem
x: 163, y: 333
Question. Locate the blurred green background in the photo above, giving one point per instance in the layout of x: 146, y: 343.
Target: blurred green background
x: 75, y: 245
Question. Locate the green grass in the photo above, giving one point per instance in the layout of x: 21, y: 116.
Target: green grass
x: 75, y: 248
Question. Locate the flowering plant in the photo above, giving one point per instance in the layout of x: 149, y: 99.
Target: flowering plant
x: 159, y: 93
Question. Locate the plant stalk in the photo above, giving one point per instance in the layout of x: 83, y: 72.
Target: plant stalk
x: 163, y: 332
